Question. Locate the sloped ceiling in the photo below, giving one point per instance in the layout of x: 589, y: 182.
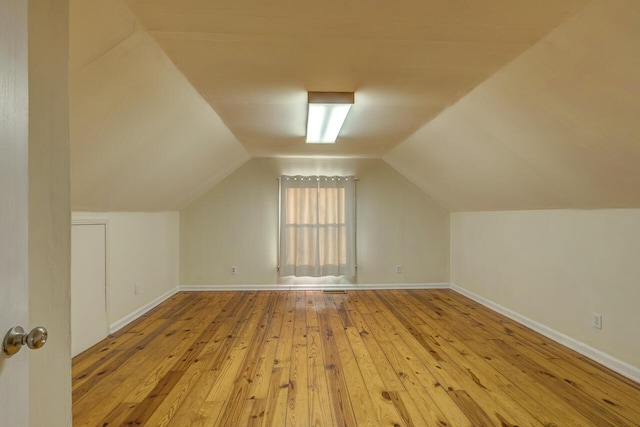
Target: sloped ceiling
x: 142, y: 138
x: 255, y: 60
x: 169, y: 96
x: 557, y: 128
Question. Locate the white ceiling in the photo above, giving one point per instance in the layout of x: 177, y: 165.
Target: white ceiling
x: 170, y: 96
x: 254, y: 60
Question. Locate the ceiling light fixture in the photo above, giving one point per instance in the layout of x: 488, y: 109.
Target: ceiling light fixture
x: 327, y: 113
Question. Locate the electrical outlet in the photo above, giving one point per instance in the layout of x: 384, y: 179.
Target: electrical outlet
x: 398, y: 268
x: 136, y: 289
x: 596, y: 320
x: 234, y: 270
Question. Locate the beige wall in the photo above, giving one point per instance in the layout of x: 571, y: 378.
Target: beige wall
x: 557, y: 267
x: 236, y: 224
x: 49, y: 213
x: 142, y: 250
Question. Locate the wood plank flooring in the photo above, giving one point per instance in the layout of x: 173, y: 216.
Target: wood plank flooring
x: 365, y: 358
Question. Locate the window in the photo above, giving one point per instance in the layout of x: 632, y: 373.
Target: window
x: 317, y: 226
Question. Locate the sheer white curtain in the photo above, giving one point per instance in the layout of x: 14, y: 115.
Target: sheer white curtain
x: 317, y: 226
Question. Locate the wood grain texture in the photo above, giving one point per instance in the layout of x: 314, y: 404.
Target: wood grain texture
x: 300, y: 358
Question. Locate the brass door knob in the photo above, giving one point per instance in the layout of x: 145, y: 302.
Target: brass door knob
x: 16, y: 338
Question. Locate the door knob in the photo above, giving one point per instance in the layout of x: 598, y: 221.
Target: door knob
x: 17, y: 337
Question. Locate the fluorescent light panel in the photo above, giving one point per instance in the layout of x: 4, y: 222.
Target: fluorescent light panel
x: 327, y: 113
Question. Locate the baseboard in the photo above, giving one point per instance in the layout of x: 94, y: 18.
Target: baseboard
x: 619, y: 366
x: 623, y: 368
x: 119, y: 324
x: 314, y: 287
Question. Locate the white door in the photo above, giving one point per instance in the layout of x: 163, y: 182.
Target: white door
x: 89, y: 322
x: 14, y: 297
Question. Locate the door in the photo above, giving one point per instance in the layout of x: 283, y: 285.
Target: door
x: 89, y: 322
x: 14, y: 297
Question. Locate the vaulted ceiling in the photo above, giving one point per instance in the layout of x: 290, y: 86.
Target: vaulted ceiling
x: 557, y: 128
x: 254, y: 61
x: 499, y: 104
x: 142, y: 138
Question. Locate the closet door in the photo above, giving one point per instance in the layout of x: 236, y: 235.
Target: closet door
x: 89, y: 322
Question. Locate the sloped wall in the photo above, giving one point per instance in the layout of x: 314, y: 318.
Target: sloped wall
x: 236, y: 224
x: 556, y: 128
x: 142, y: 138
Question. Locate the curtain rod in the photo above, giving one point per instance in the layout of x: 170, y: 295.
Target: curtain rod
x: 318, y: 176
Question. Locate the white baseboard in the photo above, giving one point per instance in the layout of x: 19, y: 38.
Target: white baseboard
x: 119, y: 324
x: 314, y: 287
x: 623, y: 368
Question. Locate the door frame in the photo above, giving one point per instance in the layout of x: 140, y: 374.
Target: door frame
x: 87, y: 218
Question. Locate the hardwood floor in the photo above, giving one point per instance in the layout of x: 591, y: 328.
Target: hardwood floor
x: 379, y: 358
